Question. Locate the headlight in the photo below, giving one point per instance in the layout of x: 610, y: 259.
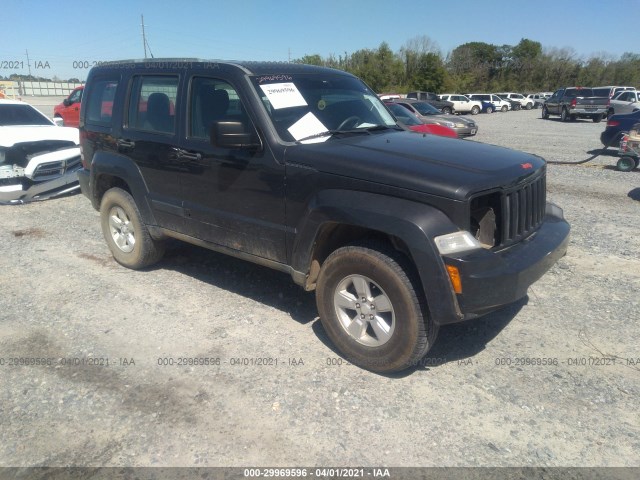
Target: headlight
x: 447, y: 124
x: 456, y: 242
x: 460, y: 125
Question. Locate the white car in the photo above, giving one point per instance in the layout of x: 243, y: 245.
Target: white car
x: 38, y: 159
x: 626, y: 101
x: 524, y: 102
x: 497, y: 103
x: 462, y: 104
x: 538, y: 98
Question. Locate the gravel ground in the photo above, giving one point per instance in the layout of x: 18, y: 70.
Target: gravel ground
x: 550, y: 381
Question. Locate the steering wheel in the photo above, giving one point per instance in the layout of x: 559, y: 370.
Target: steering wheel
x: 352, y: 121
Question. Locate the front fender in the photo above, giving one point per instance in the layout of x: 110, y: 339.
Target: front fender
x: 414, y: 223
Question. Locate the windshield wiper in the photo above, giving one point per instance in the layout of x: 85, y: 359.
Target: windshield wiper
x: 366, y: 130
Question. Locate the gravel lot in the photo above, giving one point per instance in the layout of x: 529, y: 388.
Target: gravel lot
x: 551, y: 381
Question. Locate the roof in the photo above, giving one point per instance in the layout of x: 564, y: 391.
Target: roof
x: 249, y: 67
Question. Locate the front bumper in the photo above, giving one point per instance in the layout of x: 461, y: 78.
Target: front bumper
x: 466, y: 131
x: 491, y: 280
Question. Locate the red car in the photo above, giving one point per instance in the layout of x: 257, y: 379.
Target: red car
x: 69, y: 109
x: 410, y: 121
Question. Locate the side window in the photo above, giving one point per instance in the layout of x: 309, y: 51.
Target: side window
x: 100, y: 101
x: 212, y: 100
x: 75, y: 96
x: 152, y: 105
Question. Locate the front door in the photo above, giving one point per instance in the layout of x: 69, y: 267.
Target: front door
x: 232, y: 197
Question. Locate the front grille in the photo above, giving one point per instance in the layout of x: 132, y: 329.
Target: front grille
x: 51, y: 170
x: 502, y: 218
x: 523, y: 210
x: 48, y: 170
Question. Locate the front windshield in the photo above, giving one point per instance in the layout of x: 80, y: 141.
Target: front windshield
x: 426, y: 108
x: 312, y: 107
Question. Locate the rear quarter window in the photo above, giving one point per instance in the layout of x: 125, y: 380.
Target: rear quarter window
x: 99, y: 100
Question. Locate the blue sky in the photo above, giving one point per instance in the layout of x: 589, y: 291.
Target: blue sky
x: 63, y: 38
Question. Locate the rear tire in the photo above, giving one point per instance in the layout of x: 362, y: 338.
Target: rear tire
x: 596, y: 118
x: 372, y: 307
x: 475, y: 110
x: 489, y: 110
x: 564, y: 115
x: 127, y: 236
x: 446, y: 110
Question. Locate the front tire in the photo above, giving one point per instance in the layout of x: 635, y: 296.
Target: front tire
x: 127, y: 236
x: 529, y: 106
x: 545, y: 112
x: 504, y: 108
x: 373, y: 309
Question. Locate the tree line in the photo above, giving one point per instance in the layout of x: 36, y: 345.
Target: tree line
x: 481, y: 67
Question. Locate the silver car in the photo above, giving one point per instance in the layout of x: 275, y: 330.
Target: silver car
x: 429, y: 114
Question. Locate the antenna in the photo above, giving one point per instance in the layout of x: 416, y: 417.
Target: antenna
x: 144, y: 38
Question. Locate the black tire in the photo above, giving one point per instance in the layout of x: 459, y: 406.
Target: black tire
x: 489, y: 110
x: 545, y: 112
x: 596, y: 118
x: 389, y: 276
x: 447, y: 110
x: 564, y: 115
x: 120, y: 218
x: 529, y: 106
x: 626, y: 164
x: 475, y: 110
x: 504, y: 108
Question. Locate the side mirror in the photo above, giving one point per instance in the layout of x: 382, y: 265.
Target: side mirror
x: 233, y: 135
x: 66, y: 102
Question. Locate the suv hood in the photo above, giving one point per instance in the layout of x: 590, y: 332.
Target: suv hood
x: 446, y: 167
x: 9, y: 136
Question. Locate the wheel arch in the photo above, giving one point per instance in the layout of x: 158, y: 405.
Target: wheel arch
x: 112, y: 170
x: 338, y: 218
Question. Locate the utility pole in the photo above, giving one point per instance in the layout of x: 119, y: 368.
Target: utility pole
x: 28, y: 63
x: 144, y: 38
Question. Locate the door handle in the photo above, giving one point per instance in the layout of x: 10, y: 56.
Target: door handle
x: 186, y: 156
x: 125, y: 144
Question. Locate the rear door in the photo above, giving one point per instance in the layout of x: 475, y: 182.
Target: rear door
x: 149, y: 138
x: 232, y: 197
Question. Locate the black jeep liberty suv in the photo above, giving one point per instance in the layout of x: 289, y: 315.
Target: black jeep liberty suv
x: 303, y: 169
